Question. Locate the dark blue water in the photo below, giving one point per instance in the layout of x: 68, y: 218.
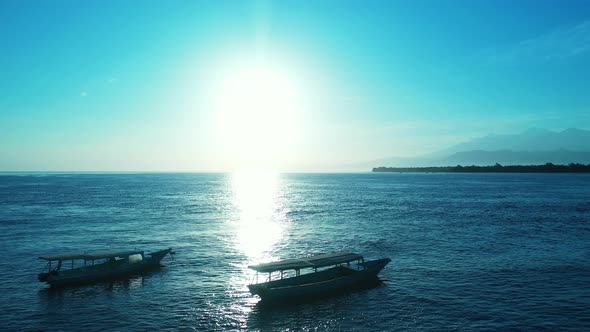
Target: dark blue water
x: 469, y: 251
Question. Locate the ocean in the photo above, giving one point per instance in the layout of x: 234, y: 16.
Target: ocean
x: 469, y: 251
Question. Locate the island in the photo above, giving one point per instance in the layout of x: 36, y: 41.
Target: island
x: 497, y: 168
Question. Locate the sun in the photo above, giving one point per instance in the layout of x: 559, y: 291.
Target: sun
x: 256, y: 109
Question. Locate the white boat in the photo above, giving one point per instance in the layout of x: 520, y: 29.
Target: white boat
x: 329, y: 274
x: 97, y: 266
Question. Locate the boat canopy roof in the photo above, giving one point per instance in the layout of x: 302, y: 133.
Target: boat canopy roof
x: 90, y: 256
x: 305, y: 262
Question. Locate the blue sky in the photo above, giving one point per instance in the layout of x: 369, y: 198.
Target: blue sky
x: 111, y: 85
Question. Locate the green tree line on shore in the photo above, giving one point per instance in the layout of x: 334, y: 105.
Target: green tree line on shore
x: 497, y: 168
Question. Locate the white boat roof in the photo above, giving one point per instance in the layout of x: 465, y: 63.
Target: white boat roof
x: 305, y: 262
x: 90, y: 256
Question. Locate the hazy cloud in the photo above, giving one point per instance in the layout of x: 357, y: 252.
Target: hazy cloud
x: 561, y: 43
x: 83, y: 94
x: 113, y: 80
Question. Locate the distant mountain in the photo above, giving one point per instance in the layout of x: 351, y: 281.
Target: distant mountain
x: 534, y: 139
x: 533, y: 146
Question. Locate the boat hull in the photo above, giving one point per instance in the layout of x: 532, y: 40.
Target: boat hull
x: 337, y: 282
x: 106, y: 272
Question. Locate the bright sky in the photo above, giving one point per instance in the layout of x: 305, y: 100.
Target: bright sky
x: 284, y: 85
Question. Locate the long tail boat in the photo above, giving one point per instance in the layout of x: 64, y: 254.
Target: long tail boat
x: 328, y: 274
x: 76, y: 268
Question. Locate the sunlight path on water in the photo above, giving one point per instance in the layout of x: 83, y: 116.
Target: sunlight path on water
x: 260, y: 226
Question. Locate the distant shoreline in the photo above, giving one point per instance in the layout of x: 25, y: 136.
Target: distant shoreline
x: 547, y: 168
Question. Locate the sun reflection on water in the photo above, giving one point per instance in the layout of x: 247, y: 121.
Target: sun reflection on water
x: 258, y: 197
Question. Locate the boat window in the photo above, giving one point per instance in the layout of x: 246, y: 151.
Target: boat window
x: 289, y: 274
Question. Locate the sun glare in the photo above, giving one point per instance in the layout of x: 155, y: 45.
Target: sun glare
x: 256, y: 112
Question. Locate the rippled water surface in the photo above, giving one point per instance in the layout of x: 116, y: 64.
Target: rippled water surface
x: 469, y: 251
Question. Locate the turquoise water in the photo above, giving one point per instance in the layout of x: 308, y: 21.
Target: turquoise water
x: 469, y: 251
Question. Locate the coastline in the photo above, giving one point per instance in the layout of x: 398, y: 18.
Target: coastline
x: 546, y: 168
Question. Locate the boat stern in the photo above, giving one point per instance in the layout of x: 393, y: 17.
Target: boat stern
x: 43, y: 277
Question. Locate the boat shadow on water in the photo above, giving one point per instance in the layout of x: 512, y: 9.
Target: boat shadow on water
x: 128, y: 282
x: 286, y: 304
x: 265, y: 314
